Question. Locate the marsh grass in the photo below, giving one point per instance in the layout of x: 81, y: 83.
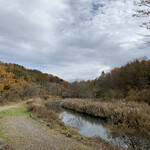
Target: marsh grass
x: 106, y: 109
x: 127, y: 120
x: 49, y: 116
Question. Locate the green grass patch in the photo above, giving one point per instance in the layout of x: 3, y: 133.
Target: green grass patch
x: 15, y: 112
x: 87, y: 143
x: 1, y: 133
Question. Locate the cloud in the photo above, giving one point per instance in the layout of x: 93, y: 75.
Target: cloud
x: 70, y: 39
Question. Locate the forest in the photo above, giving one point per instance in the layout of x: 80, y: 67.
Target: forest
x: 131, y: 81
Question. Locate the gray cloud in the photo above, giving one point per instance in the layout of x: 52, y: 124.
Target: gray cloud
x: 70, y: 39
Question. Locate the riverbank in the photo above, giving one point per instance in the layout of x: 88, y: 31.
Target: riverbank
x: 127, y: 120
x: 54, y: 122
x: 106, y: 110
x: 20, y: 131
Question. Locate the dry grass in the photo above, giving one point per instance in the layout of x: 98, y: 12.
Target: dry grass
x: 37, y: 106
x: 133, y: 115
x: 49, y: 116
x: 105, y: 109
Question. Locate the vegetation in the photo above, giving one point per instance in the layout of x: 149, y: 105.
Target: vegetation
x: 17, y: 82
x: 139, y: 96
x: 121, y: 96
x: 38, y: 108
x: 53, y: 120
x: 128, y: 120
x: 21, y: 111
x: 117, y: 84
x: 108, y: 110
x: 132, y: 128
x: 42, y: 112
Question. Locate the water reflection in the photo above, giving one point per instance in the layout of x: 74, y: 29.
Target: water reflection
x: 89, y: 126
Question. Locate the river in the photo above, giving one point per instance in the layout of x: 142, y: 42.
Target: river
x: 88, y: 126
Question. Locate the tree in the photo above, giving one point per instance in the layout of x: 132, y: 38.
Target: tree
x: 144, y: 11
x: 6, y: 79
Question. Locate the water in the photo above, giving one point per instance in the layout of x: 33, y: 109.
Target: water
x: 89, y: 126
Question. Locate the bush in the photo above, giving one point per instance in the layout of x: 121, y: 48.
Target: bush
x: 104, y: 94
x: 132, y: 128
x: 139, y: 96
x: 108, y: 95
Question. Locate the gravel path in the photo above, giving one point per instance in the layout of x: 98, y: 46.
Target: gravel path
x: 24, y: 133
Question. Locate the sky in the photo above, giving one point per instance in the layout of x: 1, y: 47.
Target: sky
x: 72, y: 39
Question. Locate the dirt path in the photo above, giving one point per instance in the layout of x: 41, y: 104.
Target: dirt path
x: 25, y: 133
x: 12, y: 106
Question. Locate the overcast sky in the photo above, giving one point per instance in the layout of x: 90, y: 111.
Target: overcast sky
x: 73, y: 39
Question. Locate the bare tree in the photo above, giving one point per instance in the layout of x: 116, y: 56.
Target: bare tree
x: 144, y: 11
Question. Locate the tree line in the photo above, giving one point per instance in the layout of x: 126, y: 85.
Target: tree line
x: 132, y: 79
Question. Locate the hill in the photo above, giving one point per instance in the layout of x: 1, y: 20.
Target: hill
x: 17, y: 82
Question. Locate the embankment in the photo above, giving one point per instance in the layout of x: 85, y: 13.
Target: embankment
x: 53, y: 121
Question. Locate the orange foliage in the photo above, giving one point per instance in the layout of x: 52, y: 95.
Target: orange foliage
x: 115, y: 70
x: 8, y: 79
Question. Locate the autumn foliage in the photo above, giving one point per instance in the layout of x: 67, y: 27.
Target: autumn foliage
x: 17, y: 82
x: 130, y: 80
x: 7, y: 79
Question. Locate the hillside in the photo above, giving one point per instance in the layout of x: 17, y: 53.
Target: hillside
x: 17, y: 82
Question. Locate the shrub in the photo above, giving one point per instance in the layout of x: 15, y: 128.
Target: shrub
x: 108, y: 95
x: 104, y: 94
x: 42, y: 112
x: 139, y: 96
x: 132, y: 128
